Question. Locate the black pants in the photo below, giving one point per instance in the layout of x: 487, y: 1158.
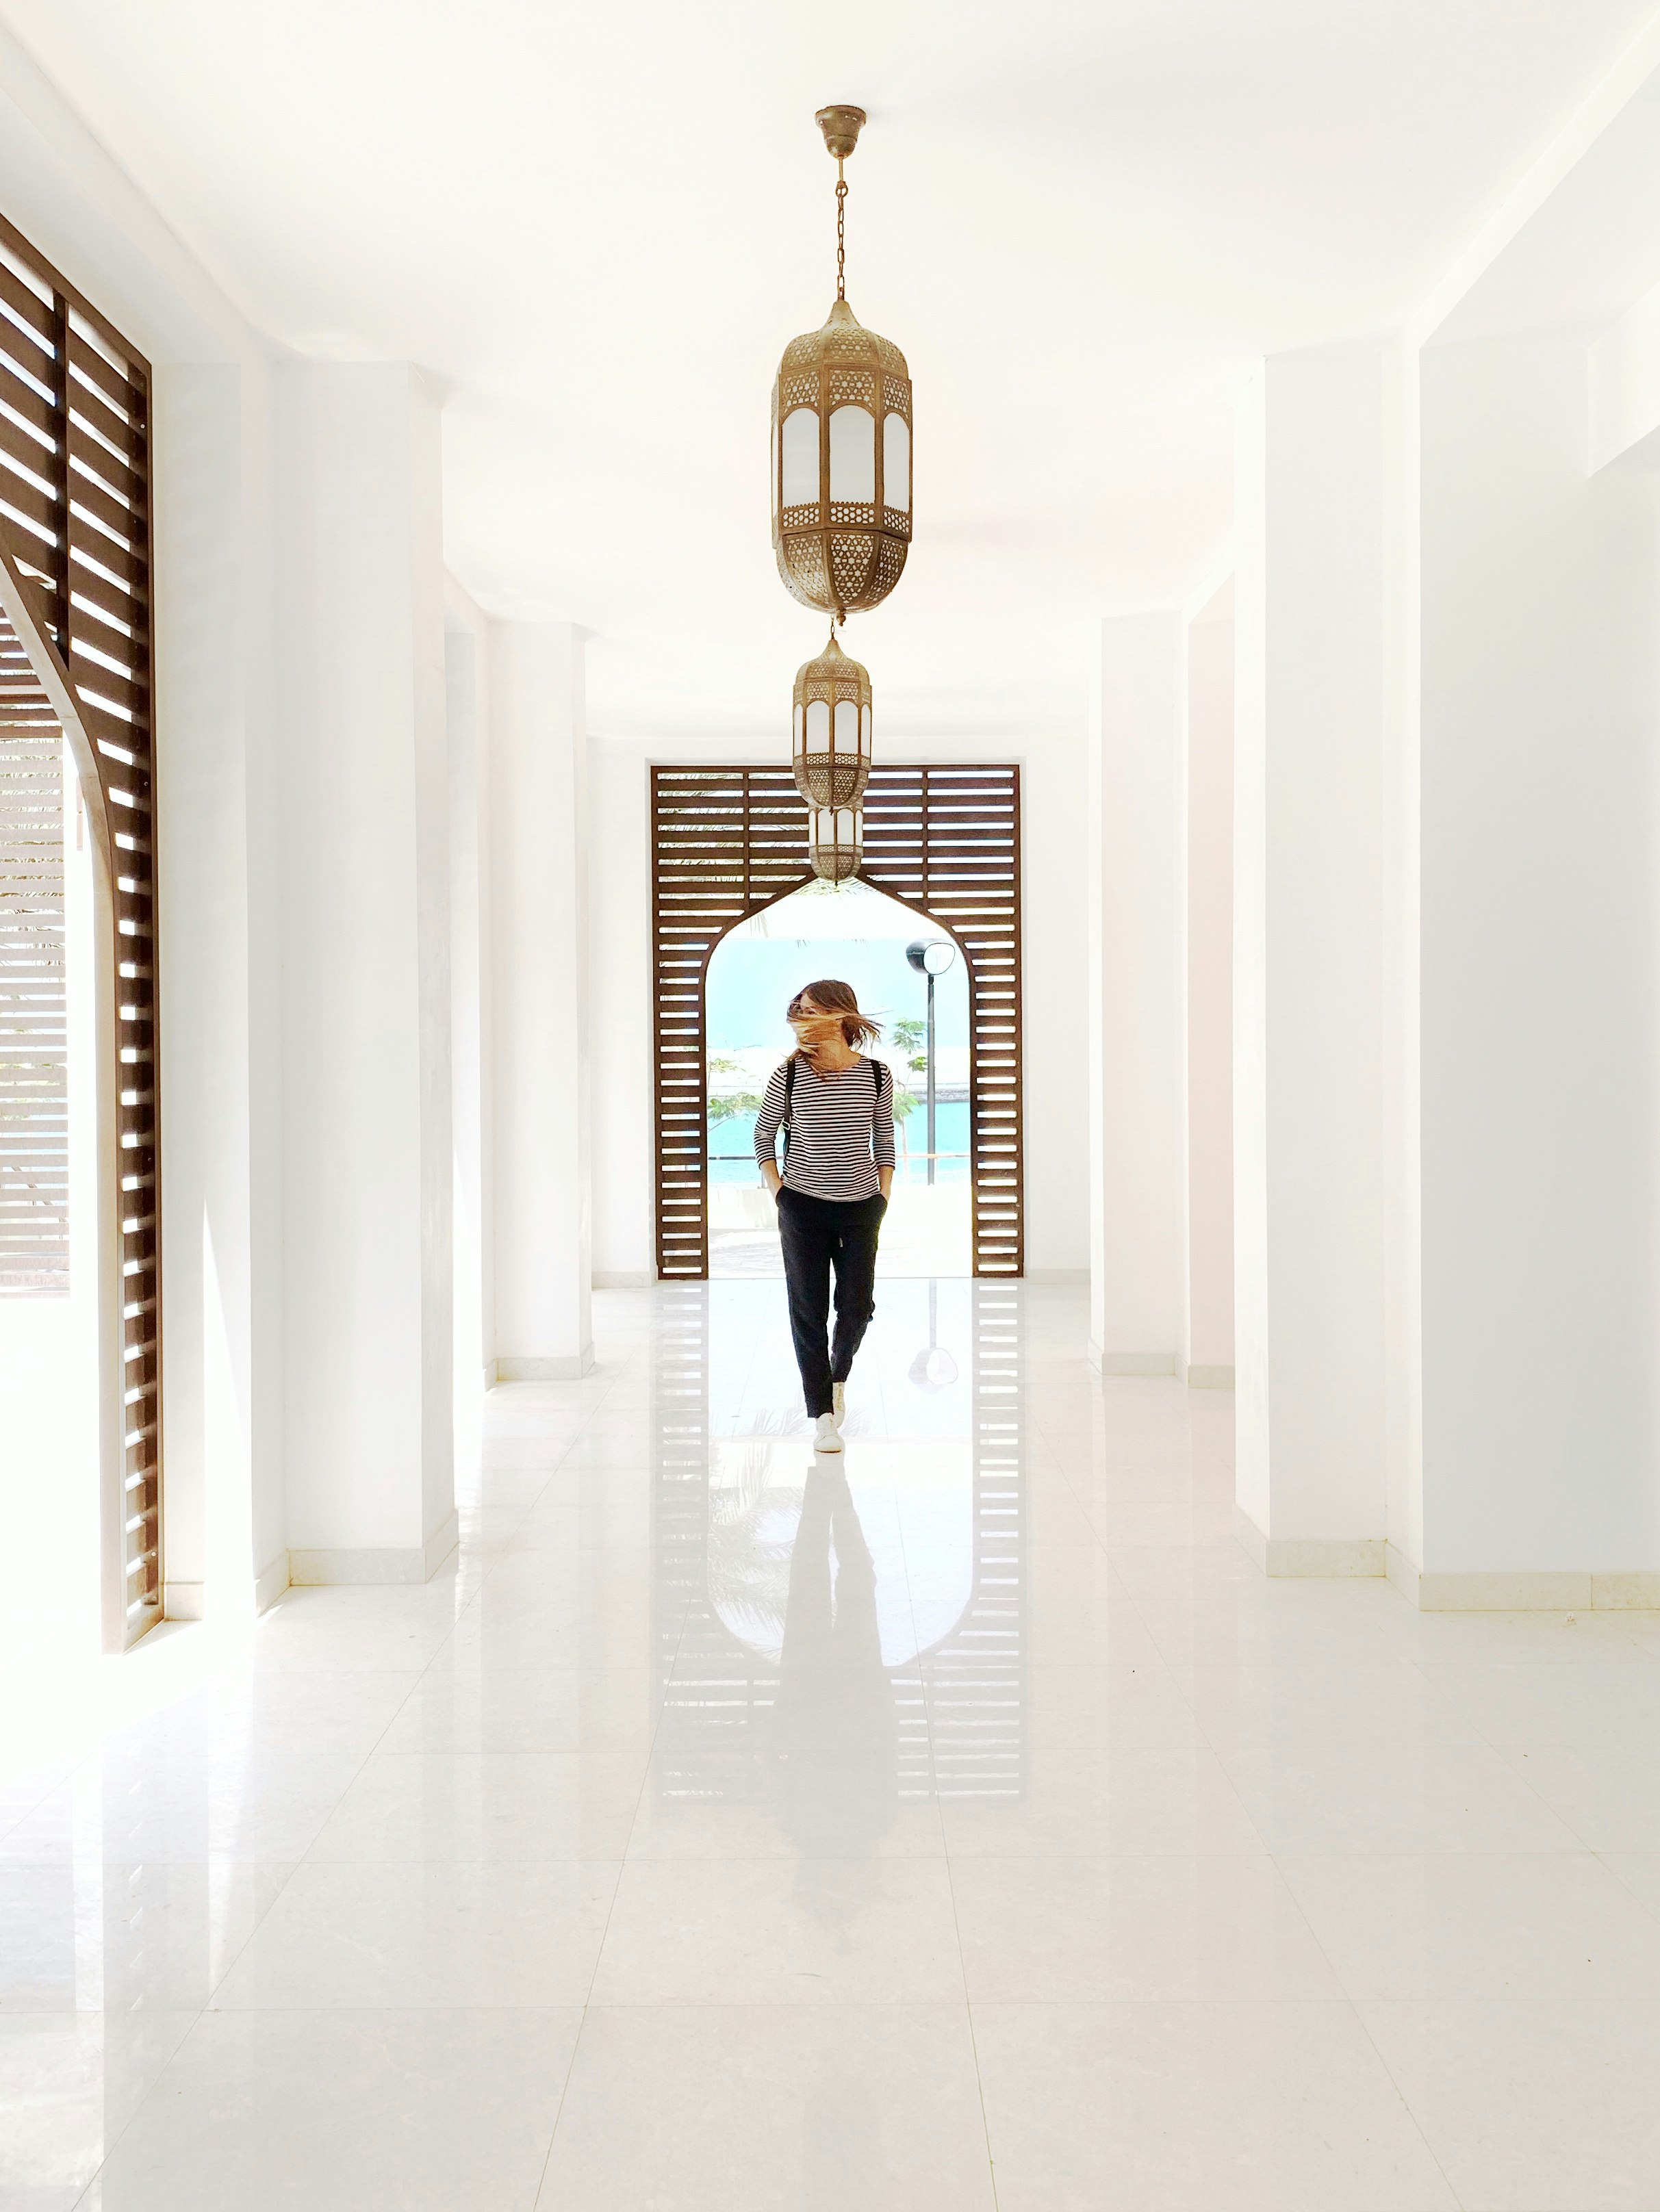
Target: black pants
x: 819, y: 1234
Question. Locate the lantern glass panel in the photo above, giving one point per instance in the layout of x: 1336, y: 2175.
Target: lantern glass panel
x: 847, y: 727
x: 817, y: 726
x: 853, y: 455
x: 864, y: 731
x: 801, y: 456
x: 895, y: 463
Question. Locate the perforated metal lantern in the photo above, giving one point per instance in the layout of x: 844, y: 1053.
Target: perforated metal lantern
x: 835, y: 842
x: 832, y: 729
x: 841, y: 443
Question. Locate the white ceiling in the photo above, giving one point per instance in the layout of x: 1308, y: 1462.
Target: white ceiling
x: 597, y: 225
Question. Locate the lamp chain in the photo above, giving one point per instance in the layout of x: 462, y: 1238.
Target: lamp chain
x: 841, y: 231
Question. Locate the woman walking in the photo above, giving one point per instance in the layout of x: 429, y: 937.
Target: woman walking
x: 836, y: 1108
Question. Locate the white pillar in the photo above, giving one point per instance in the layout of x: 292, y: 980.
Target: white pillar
x: 539, y: 925
x: 366, y: 1098
x: 1207, y: 1348
x: 1538, y: 1014
x: 1308, y: 1120
x: 1135, y: 1167
x: 467, y: 651
x: 226, y: 1538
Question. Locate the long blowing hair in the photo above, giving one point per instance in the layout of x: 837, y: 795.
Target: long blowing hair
x: 832, y: 999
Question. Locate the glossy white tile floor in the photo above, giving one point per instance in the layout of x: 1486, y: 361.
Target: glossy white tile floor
x: 964, y: 1826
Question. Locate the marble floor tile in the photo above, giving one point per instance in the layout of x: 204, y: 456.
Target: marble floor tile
x: 426, y: 2112
x: 1391, y: 1796
x: 771, y: 2108
x: 477, y: 1706
x: 404, y: 1935
x: 1469, y: 1924
x: 89, y: 1935
x: 767, y: 1931
x: 764, y: 1817
x: 1197, y: 2107
x: 69, y: 2083
x: 1541, y: 2106
x: 1607, y: 1795
x: 486, y: 1805
x: 1114, y: 1798
x: 230, y: 1803
x: 1156, y: 1929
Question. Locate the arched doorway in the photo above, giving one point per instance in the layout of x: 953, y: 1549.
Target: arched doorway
x: 728, y: 842
x: 857, y: 932
x: 76, y: 656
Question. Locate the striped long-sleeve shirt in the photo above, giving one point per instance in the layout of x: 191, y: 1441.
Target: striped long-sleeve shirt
x: 841, y: 1130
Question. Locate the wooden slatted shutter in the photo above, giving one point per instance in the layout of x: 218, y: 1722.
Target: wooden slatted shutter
x: 75, y: 533
x: 34, y: 1256
x: 726, y: 841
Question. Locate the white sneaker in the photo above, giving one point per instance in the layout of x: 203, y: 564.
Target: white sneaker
x: 826, y: 1437
x: 839, y: 1406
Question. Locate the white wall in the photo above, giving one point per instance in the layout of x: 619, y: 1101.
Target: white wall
x: 1541, y: 995
x: 1056, y: 1077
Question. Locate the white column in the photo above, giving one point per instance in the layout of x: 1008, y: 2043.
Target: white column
x: 367, y: 1194
x: 1540, y: 1008
x: 466, y: 651
x: 1308, y: 1175
x: 1136, y: 1268
x: 539, y: 925
x: 226, y: 1538
x: 1208, y: 1350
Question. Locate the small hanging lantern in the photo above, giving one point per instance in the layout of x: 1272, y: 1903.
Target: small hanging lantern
x: 840, y: 442
x: 835, y: 842
x: 832, y: 732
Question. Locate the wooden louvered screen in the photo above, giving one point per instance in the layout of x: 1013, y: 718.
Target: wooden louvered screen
x: 75, y: 525
x: 34, y: 1256
x: 726, y: 841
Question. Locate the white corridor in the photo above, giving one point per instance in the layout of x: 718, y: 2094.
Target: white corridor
x: 968, y: 1825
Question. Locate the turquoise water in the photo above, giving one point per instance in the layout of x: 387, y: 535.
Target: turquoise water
x: 951, y: 1122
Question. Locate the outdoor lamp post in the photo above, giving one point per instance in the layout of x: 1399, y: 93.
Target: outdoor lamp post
x: 931, y: 957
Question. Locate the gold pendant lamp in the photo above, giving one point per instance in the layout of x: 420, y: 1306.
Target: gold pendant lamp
x: 840, y: 441
x: 832, y: 729
x: 835, y: 842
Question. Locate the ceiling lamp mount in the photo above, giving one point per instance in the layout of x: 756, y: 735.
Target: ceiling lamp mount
x: 840, y: 127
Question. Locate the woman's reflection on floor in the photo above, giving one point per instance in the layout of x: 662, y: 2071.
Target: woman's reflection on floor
x: 836, y: 1743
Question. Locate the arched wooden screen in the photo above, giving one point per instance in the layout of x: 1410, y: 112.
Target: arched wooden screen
x: 75, y: 528
x: 726, y: 841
